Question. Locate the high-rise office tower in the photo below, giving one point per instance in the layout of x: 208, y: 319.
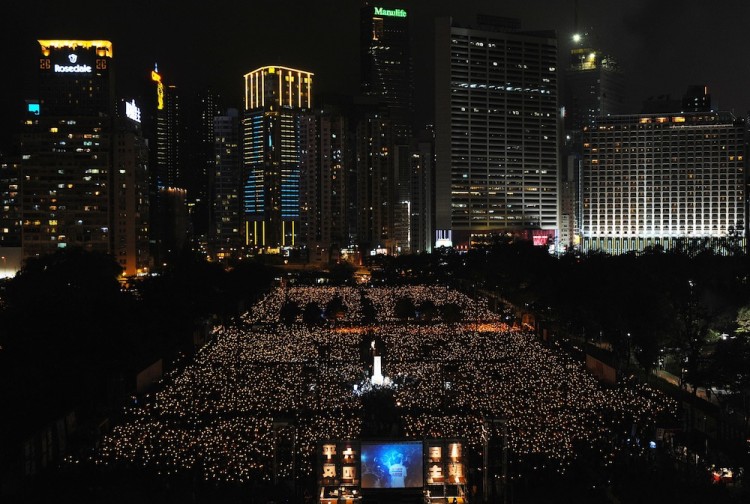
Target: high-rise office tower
x: 200, y: 160
x: 376, y: 199
x: 386, y: 109
x: 422, y: 198
x: 496, y: 132
x: 325, y: 165
x: 76, y: 78
x: 401, y: 187
x: 696, y: 99
x: 67, y: 151
x: 386, y: 69
x: 130, y: 195
x: 166, y: 116
x: 274, y: 99
x: 169, y: 226
x: 594, y: 85
x: 663, y: 180
x: 225, y: 237
x: 11, y: 253
x: 10, y: 199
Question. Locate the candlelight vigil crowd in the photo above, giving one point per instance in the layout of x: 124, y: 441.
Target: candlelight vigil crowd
x: 219, y: 414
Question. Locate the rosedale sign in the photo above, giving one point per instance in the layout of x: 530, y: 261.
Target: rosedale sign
x: 379, y: 11
x: 72, y: 68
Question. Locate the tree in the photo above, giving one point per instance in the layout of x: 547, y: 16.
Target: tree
x: 369, y: 313
x: 427, y: 310
x: 312, y: 314
x: 342, y: 273
x: 692, y: 331
x: 289, y: 312
x: 451, y: 313
x: 335, y: 308
x: 743, y: 321
x: 404, y: 308
x: 65, y: 333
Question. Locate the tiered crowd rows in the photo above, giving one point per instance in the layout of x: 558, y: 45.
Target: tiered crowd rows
x: 217, y: 415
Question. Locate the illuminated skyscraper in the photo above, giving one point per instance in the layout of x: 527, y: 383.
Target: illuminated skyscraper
x: 225, y: 237
x: 663, y: 180
x: 66, y: 147
x: 274, y: 99
x: 200, y: 160
x: 169, y: 224
x: 496, y: 132
x: 325, y: 165
x: 386, y: 68
x: 386, y: 110
x: 422, y: 198
x: 10, y: 209
x: 75, y: 78
x: 168, y: 155
x: 130, y: 197
x: 376, y: 182
x: 594, y: 85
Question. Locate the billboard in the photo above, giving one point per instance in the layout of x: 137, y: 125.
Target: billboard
x: 391, y: 464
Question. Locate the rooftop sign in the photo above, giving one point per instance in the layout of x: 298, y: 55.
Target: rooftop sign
x: 379, y: 11
x: 132, y: 111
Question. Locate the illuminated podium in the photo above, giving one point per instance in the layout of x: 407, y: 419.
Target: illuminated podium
x: 348, y: 469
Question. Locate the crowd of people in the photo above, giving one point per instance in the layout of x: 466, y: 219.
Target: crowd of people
x: 220, y: 414
x: 383, y: 298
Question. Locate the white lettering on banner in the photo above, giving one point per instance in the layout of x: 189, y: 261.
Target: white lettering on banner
x: 132, y: 111
x: 72, y: 68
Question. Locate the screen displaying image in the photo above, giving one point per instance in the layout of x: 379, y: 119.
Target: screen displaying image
x: 392, y: 465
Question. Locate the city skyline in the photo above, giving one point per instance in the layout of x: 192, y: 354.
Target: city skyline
x: 661, y: 48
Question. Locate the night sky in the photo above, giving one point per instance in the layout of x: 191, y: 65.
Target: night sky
x: 662, y: 46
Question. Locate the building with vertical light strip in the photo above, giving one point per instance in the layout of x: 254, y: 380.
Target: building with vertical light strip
x: 663, y: 180
x: 274, y: 99
x: 168, y: 149
x: 496, y: 132
x: 164, y: 127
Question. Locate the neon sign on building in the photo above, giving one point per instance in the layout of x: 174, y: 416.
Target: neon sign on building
x: 132, y: 111
x: 159, y: 89
x: 379, y: 11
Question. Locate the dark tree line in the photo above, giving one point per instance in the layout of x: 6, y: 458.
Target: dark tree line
x: 72, y: 337
x: 687, y: 310
x: 335, y: 309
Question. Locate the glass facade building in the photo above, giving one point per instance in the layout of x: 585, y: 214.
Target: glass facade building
x: 496, y: 131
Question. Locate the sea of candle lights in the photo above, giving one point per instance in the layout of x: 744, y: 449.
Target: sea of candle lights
x: 227, y: 412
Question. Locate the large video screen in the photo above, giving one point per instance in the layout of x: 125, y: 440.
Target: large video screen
x: 392, y: 465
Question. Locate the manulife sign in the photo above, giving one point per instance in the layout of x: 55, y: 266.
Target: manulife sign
x: 379, y: 11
